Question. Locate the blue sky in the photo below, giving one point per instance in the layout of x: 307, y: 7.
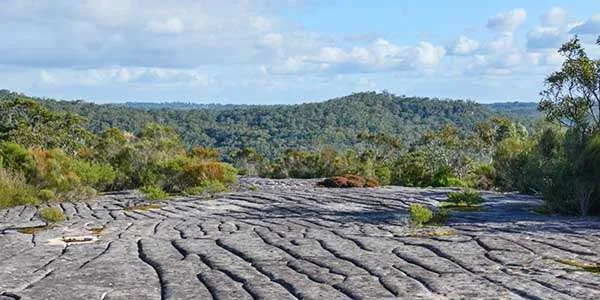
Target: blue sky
x: 286, y: 51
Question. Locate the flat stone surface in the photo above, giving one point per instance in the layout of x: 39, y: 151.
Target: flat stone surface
x: 288, y: 239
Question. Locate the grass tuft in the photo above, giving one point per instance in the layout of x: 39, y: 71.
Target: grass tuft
x: 142, y: 207
x: 51, y: 214
x: 154, y: 193
x: 581, y: 266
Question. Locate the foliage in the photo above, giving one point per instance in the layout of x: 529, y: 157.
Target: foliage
x: 14, y: 190
x: 51, y: 214
x: 469, y: 197
x: 343, y: 123
x: 348, y: 181
x: 29, y: 123
x: 209, y: 186
x: 440, y: 217
x: 419, y: 214
x: 154, y: 193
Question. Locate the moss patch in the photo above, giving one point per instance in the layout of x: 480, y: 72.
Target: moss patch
x: 542, y: 210
x: 143, y: 207
x: 51, y: 214
x: 581, y: 266
x: 461, y: 206
x: 97, y: 231
x: 32, y: 230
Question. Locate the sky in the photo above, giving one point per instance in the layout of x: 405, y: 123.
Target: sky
x: 286, y: 51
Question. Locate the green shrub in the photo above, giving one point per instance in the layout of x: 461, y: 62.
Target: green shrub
x: 196, y: 172
x: 209, y: 186
x: 419, y: 214
x: 413, y: 170
x: 14, y: 190
x: 468, y: 197
x: 483, y: 177
x: 154, y: 193
x: 51, y: 214
x: 46, y: 195
x: 384, y: 175
x: 440, y: 218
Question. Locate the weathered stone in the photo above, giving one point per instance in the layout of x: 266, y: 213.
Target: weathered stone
x: 287, y: 239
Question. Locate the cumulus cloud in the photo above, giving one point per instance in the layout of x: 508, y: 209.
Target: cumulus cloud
x: 116, y: 75
x: 545, y: 38
x: 381, y: 55
x: 507, y: 22
x: 502, y: 43
x: 591, y: 26
x: 171, y: 26
x: 465, y: 46
x: 554, y: 17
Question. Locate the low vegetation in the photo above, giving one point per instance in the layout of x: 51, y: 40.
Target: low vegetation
x: 143, y: 206
x: 154, y: 193
x: 51, y: 214
x: 421, y: 215
x: 49, y: 152
x: 592, y: 268
x: 348, y: 181
x: 48, y: 156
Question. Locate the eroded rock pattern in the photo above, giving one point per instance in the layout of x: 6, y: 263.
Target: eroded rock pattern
x: 287, y: 239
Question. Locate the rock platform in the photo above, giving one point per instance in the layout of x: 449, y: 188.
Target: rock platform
x: 289, y: 239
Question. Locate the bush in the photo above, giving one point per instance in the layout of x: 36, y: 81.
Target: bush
x: 468, y: 197
x: 154, y: 193
x: 47, y: 195
x: 444, y: 177
x: 51, y: 214
x: 348, y: 181
x: 440, y: 218
x: 413, y: 170
x: 419, y: 214
x: 14, y: 190
x: 196, y: 172
x: 210, y: 186
x: 483, y: 177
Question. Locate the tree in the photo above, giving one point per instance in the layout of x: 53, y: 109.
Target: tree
x: 572, y: 94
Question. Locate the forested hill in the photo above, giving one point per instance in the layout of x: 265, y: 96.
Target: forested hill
x: 271, y: 129
x: 526, y: 110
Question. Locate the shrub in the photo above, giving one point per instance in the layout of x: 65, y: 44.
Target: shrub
x: 51, y: 214
x: 419, y: 214
x: 14, y: 190
x: 384, y: 175
x: 468, y: 197
x: 210, y: 186
x: 154, y: 193
x: 348, y: 181
x: 483, y: 177
x: 46, y: 195
x: 440, y: 218
x: 196, y: 172
x: 413, y: 170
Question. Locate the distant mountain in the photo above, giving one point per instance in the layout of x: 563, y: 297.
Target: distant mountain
x: 520, y: 109
x: 181, y: 105
x: 271, y: 129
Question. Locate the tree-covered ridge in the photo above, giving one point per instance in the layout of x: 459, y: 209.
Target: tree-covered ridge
x: 272, y: 129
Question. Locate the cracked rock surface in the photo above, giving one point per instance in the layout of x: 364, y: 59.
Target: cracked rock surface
x: 288, y: 239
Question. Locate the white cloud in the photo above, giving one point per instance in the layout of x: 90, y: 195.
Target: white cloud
x: 119, y: 75
x: 554, y: 17
x: 169, y: 26
x: 502, y: 43
x: 545, y: 37
x: 381, y: 55
x: 592, y: 26
x: 507, y: 22
x: 465, y: 46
